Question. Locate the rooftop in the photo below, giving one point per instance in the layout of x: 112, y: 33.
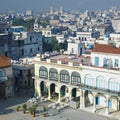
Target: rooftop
x: 104, y: 48
x: 4, y: 61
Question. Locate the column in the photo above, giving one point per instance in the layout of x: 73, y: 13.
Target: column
x: 70, y: 93
x: 118, y: 104
x: 59, y: 99
x: 49, y: 94
x: 94, y: 101
x: 82, y: 100
x: 107, y: 106
x: 94, y: 104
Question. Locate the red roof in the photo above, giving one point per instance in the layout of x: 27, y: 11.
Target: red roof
x: 4, y: 61
x: 103, y: 48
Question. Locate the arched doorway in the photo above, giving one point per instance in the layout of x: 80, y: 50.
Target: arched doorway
x: 53, y: 92
x: 100, y: 101
x: 74, y: 92
x: 43, y: 89
x: 89, y: 99
x: 113, y: 104
x: 75, y: 99
x: 64, y: 93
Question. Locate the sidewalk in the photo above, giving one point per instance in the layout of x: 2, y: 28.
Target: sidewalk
x: 102, y: 111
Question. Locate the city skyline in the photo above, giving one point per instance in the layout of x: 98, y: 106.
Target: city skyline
x: 44, y: 5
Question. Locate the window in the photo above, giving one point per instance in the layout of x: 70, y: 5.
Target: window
x: 116, y: 63
x: 96, y: 61
x: 114, y: 86
x: 72, y: 50
x: 105, y: 63
x: 75, y: 78
x: 102, y: 83
x: 90, y: 80
x: 22, y: 51
x: 38, y: 48
x: 31, y: 50
x: 31, y: 38
x: 64, y: 76
x: 43, y: 73
x: 53, y: 74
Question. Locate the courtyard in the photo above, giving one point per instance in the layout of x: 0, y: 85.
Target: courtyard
x: 8, y: 112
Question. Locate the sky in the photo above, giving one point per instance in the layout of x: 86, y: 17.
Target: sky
x: 44, y: 5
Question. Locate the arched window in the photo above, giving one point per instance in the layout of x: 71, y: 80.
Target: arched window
x: 102, y: 83
x: 53, y: 74
x: 90, y: 80
x: 43, y: 72
x: 114, y: 85
x: 64, y: 76
x: 75, y: 78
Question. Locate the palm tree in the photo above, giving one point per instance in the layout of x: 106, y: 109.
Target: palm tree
x: 24, y: 106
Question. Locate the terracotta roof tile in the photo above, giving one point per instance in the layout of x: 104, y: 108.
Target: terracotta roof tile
x: 103, y: 48
x: 4, y: 61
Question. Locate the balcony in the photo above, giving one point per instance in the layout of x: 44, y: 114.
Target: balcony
x: 99, y: 90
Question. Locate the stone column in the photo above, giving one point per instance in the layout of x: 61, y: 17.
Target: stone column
x: 49, y: 94
x: 94, y: 102
x: 118, y: 104
x: 70, y: 94
x: 59, y: 98
x: 107, y: 106
x: 82, y: 100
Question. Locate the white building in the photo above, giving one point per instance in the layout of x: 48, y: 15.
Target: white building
x: 76, y: 48
x: 116, y: 24
x: 107, y: 56
x: 26, y: 44
x: 94, y: 79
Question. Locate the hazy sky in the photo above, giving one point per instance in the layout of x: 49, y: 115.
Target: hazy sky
x: 43, y: 5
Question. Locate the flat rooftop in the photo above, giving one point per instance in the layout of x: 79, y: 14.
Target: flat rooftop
x: 65, y: 59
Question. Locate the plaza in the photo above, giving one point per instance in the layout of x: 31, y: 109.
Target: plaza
x: 8, y: 111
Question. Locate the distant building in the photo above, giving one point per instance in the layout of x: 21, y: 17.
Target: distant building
x: 4, y: 44
x: 116, y: 24
x: 29, y: 12
x: 17, y: 29
x: 76, y: 48
x: 25, y: 44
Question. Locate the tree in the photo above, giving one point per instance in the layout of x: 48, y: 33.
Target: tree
x: 63, y: 45
x: 54, y: 44
x: 21, y: 22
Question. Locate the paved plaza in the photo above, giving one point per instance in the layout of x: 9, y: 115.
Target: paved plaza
x: 8, y: 112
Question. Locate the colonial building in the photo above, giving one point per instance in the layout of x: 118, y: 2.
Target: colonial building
x: 90, y: 80
x: 6, y: 77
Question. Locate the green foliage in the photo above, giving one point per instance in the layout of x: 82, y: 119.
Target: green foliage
x: 17, y: 108
x: 54, y: 45
x: 24, y: 106
x: 21, y: 22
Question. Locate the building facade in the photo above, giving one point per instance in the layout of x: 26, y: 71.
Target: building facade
x: 94, y: 80
x: 25, y: 44
x: 6, y: 78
